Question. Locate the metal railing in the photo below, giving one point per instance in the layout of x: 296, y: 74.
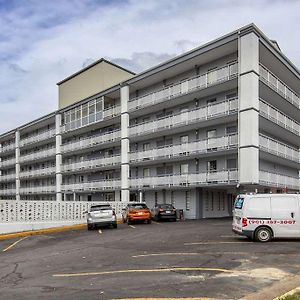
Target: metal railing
x: 38, y: 155
x: 91, y: 141
x: 38, y: 189
x: 92, y: 164
x: 187, y: 86
x: 5, y: 192
x: 207, y: 112
x: 92, y: 186
x: 279, y: 180
x: 8, y: 177
x: 37, y: 137
x: 38, y: 172
x: 8, y: 162
x: 40, y: 210
x: 278, y: 86
x: 205, y: 178
x: 7, y: 148
x: 196, y: 147
x: 273, y: 114
x: 278, y: 148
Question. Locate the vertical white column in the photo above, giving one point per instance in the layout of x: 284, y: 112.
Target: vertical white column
x: 58, y: 157
x: 125, y: 193
x: 248, y: 122
x: 17, y: 142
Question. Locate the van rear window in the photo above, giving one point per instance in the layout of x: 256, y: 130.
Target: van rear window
x: 239, y: 203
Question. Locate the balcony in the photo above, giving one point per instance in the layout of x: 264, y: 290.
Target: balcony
x: 92, y: 164
x: 91, y: 186
x: 278, y: 148
x: 38, y: 155
x: 188, y: 149
x: 276, y: 116
x: 7, y: 192
x: 7, y: 163
x: 46, y: 189
x: 37, y: 137
x: 185, y: 87
x: 8, y: 148
x: 91, y: 141
x: 278, y: 86
x: 38, y: 173
x: 278, y: 180
x: 224, y: 177
x: 8, y: 177
x: 207, y: 112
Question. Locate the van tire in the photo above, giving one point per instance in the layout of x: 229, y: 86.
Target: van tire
x: 263, y: 234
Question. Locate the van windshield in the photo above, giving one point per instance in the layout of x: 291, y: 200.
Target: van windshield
x: 239, y: 203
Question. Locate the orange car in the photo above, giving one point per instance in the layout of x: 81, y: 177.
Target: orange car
x: 136, y: 212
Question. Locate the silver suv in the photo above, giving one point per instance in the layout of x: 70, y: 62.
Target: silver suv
x: 101, y: 215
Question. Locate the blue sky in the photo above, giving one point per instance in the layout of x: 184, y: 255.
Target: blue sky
x: 42, y: 42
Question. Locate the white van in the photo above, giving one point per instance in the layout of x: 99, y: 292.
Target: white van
x: 266, y: 216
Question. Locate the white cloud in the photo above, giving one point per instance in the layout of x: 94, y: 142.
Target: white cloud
x: 42, y: 42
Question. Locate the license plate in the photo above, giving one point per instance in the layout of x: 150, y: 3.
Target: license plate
x: 140, y: 213
x: 168, y: 212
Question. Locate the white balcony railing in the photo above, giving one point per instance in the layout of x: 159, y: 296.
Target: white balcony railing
x: 5, y: 192
x: 38, y: 172
x: 92, y: 164
x: 187, y: 86
x: 207, y: 112
x: 218, y: 177
x: 92, y: 186
x: 37, y: 155
x: 92, y: 141
x: 38, y: 137
x: 47, y: 189
x: 6, y: 148
x: 276, y: 116
x: 279, y: 180
x: 278, y: 148
x: 197, y: 147
x: 111, y: 111
x: 8, y: 162
x: 8, y: 177
x: 278, y: 86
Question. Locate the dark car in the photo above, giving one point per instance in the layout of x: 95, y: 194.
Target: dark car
x: 164, y: 212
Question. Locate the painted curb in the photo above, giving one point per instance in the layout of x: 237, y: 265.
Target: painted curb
x: 290, y: 293
x: 45, y: 231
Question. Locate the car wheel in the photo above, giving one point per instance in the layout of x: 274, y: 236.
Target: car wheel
x: 149, y: 221
x: 128, y: 222
x: 263, y: 234
x: 115, y: 225
x: 89, y: 227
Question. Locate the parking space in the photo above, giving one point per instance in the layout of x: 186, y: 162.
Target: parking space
x: 163, y: 259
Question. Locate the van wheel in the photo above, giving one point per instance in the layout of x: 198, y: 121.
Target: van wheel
x: 263, y: 234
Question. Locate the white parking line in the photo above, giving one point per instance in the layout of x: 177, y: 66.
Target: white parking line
x: 15, y: 243
x: 131, y: 226
x: 217, y: 242
x: 100, y: 231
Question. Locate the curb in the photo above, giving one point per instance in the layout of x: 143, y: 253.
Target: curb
x: 46, y: 230
x: 290, y: 293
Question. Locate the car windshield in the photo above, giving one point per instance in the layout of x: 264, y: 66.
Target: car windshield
x: 166, y: 206
x: 100, y: 207
x: 239, y: 203
x: 138, y: 206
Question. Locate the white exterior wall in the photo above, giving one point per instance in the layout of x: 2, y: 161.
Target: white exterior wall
x: 248, y: 109
x: 17, y: 165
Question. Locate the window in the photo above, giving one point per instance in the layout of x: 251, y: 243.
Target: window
x: 231, y: 95
x: 212, y: 201
x: 212, y: 165
x: 211, y: 133
x: 211, y: 101
x: 231, y: 129
x: 146, y: 172
x: 172, y: 198
x: 231, y: 163
x: 146, y: 146
x: 239, y: 203
x: 184, y: 169
x: 184, y: 139
x: 155, y: 198
x: 187, y: 200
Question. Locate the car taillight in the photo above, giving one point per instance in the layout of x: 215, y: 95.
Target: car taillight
x: 174, y: 209
x: 161, y: 209
x: 244, y: 222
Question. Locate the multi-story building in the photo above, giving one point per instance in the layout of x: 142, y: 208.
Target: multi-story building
x: 193, y: 131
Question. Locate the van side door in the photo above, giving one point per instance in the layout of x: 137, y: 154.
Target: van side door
x: 285, y: 215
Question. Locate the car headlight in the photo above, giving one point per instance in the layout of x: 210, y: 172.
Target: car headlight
x: 90, y: 219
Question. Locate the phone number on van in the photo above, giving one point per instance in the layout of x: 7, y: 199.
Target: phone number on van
x: 281, y: 222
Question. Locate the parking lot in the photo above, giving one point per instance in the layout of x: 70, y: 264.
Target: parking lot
x: 184, y: 259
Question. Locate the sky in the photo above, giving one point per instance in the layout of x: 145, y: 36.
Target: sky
x: 43, y: 42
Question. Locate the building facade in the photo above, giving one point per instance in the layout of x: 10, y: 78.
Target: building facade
x: 194, y: 131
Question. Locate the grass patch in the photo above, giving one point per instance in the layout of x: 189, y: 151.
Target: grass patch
x: 295, y: 296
